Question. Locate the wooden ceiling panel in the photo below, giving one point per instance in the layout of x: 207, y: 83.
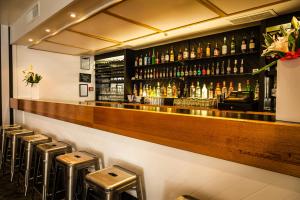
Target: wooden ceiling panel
x: 234, y: 6
x: 165, y: 14
x: 78, y: 40
x: 107, y: 26
x: 58, y: 48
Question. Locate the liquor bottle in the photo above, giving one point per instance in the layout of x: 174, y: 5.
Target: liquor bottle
x: 146, y: 59
x: 244, y: 45
x: 154, y: 74
x: 252, y: 43
x: 195, y: 71
x: 192, y: 90
x: 178, y: 72
x: 153, y: 57
x: 167, y: 72
x: 212, y: 71
x: 232, y: 46
x: 216, y: 50
x: 239, y: 87
x: 224, y: 47
x: 167, y: 57
x: 203, y: 70
x: 217, y: 69
x: 157, y: 58
x: 199, y: 51
x: 134, y: 90
x: 141, y: 74
x: 174, y: 72
x: 248, y: 87
x: 172, y: 55
x: 224, y: 90
x: 190, y: 71
x: 218, y: 90
x: 179, y: 56
x: 235, y: 69
x: 185, y: 91
x: 174, y: 90
x: 182, y: 72
x: 208, y: 50
x: 171, y: 73
x: 211, y: 91
x: 141, y: 89
x: 169, y: 91
x: 157, y: 73
x: 136, y: 62
x: 151, y: 74
x: 223, y: 67
x: 198, y: 90
x: 179, y: 90
x: 193, y: 53
x: 153, y: 93
x: 149, y: 59
x: 136, y: 76
x: 163, y: 73
x: 204, y: 92
x: 186, y: 73
x: 231, y: 88
x: 186, y: 54
x: 198, y: 72
x: 242, y: 67
x: 256, y: 91
x: 164, y: 91
x: 141, y: 60
x: 158, y: 92
x: 228, y: 67
x: 208, y: 70
x: 162, y: 58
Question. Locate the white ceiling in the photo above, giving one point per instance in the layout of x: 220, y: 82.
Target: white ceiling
x: 138, y: 23
x: 11, y: 10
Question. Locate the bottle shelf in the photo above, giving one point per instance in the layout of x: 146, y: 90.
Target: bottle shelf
x: 187, y: 61
x: 201, y: 76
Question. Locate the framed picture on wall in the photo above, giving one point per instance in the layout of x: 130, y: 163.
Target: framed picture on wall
x: 85, y: 62
x: 86, y: 78
x: 83, y: 90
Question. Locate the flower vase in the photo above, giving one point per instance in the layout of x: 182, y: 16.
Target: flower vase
x: 35, y: 91
x: 288, y: 90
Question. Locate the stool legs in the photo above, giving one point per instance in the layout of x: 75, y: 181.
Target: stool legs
x: 71, y: 179
x: 3, y: 144
x: 47, y: 163
x: 27, y: 167
x: 13, y: 157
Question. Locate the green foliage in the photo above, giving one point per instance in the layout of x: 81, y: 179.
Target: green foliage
x: 31, y: 78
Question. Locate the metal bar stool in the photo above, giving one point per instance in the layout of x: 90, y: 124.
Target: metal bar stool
x: 13, y: 137
x: 46, y: 154
x: 27, y: 151
x: 72, y: 165
x: 110, y: 182
x: 4, y: 129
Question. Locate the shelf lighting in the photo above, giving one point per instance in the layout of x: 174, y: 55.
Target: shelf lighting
x: 30, y: 40
x: 48, y: 30
x: 72, y: 15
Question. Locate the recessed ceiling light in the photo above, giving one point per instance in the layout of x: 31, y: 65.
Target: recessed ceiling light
x: 48, y: 30
x: 30, y: 40
x: 72, y: 15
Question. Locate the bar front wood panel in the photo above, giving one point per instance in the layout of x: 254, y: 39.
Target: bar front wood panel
x: 269, y: 145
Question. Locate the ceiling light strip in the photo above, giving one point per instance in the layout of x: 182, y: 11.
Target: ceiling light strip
x: 213, y: 7
x: 133, y: 21
x: 95, y: 36
x: 101, y: 8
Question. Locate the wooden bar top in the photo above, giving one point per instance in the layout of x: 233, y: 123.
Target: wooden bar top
x: 250, y: 138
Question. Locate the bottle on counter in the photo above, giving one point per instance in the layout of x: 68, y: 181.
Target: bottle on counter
x: 169, y: 91
x: 198, y: 90
x: 192, y: 90
x: 172, y: 59
x: 231, y: 88
x: 218, y: 90
x: 174, y: 90
x: 208, y: 49
x: 135, y: 93
x: 224, y: 90
x: 204, y: 92
x: 158, y: 94
x: 211, y: 91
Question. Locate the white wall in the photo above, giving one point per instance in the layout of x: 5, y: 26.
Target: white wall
x: 5, y: 74
x: 168, y: 172
x: 60, y: 74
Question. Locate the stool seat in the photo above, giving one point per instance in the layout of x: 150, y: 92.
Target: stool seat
x: 52, y: 146
x: 112, y: 177
x: 33, y: 139
x: 10, y: 126
x: 18, y: 132
x: 75, y: 158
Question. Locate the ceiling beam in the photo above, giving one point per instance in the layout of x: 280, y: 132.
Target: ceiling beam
x: 212, y: 7
x: 133, y: 21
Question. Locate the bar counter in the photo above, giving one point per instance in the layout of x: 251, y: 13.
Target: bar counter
x: 250, y: 138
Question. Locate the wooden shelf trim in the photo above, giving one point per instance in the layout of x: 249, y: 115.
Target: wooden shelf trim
x: 269, y: 145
